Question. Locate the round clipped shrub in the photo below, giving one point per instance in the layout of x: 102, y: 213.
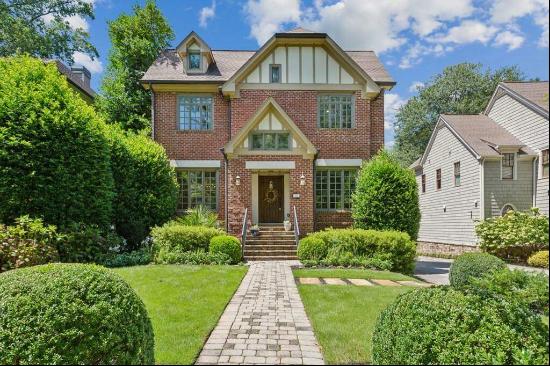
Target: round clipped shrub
x: 446, y: 327
x: 228, y: 245
x: 539, y: 259
x: 54, y: 157
x: 176, y: 238
x: 72, y: 314
x: 312, y: 248
x: 473, y: 265
x: 145, y: 185
x: 386, y: 197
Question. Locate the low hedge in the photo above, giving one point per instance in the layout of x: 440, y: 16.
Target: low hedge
x: 176, y: 238
x: 137, y: 257
x: 393, y: 248
x: 447, y: 327
x: 539, y: 259
x: 72, y: 314
x: 228, y: 245
x: 196, y: 257
x: 473, y: 265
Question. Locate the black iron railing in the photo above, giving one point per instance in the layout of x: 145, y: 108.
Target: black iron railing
x: 296, y: 228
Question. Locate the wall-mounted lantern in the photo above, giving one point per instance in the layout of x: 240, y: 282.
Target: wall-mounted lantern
x: 302, y: 180
x: 237, y: 180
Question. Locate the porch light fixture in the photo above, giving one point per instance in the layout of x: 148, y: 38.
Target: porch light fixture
x: 237, y: 180
x: 302, y: 180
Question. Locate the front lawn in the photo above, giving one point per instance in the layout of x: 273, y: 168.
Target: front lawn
x: 184, y: 303
x: 343, y: 317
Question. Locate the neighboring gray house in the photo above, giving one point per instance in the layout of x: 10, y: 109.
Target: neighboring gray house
x: 480, y: 166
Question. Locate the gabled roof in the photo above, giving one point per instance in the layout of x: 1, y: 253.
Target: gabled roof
x: 533, y: 94
x: 193, y: 35
x: 482, y: 136
x: 270, y: 105
x: 73, y: 79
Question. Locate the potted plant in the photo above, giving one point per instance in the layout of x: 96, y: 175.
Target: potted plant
x: 287, y: 224
x: 255, y: 230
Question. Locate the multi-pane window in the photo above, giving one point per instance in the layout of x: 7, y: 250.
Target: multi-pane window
x: 333, y: 189
x: 545, y: 161
x: 195, y: 112
x: 197, y: 188
x: 194, y: 60
x: 508, y: 161
x: 270, y: 141
x: 423, y: 183
x: 457, y: 174
x: 275, y: 73
x: 438, y: 179
x: 336, y: 111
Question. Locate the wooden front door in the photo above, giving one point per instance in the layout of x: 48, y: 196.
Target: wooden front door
x: 271, y: 199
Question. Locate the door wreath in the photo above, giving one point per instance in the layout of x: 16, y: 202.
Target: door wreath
x: 271, y: 194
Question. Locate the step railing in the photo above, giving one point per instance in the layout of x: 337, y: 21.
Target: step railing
x: 244, y: 230
x: 296, y: 229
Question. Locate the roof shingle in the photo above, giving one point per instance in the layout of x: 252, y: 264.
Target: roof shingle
x: 534, y: 91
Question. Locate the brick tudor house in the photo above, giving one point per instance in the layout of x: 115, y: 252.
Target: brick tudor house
x: 281, y: 128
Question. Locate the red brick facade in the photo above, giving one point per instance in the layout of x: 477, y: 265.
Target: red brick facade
x: 360, y: 142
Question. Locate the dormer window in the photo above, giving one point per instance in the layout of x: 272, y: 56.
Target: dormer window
x: 194, y: 60
x: 275, y: 73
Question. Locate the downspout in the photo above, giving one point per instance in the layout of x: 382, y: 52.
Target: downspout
x: 314, y: 197
x: 226, y: 189
x: 535, y: 179
x: 482, y: 189
x: 152, y: 111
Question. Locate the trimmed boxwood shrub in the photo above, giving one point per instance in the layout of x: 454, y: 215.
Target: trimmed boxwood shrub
x: 386, y: 197
x: 446, y: 327
x: 394, y: 248
x: 175, y: 238
x: 72, y: 314
x: 473, y: 265
x: 54, y: 157
x: 539, y: 259
x: 145, y: 185
x: 197, y: 257
x: 516, y: 235
x: 227, y: 244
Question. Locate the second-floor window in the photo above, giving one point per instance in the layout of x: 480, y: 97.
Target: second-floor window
x: 545, y: 165
x: 333, y: 189
x: 438, y: 179
x: 197, y: 188
x: 194, y: 60
x: 270, y: 141
x: 508, y: 162
x: 336, y: 111
x: 195, y: 112
x: 457, y: 174
x: 423, y: 183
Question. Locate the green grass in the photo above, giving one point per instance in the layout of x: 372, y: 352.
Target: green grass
x: 184, y: 303
x: 350, y: 273
x: 344, y: 317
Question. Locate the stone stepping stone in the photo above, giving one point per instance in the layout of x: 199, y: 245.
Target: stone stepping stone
x: 309, y: 281
x: 413, y: 283
x: 335, y: 281
x: 359, y: 282
x: 386, y: 283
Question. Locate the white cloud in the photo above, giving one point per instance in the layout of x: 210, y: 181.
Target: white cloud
x: 77, y: 22
x: 418, y: 51
x: 509, y: 39
x: 392, y: 103
x: 95, y: 66
x: 415, y: 86
x: 507, y: 11
x: 267, y: 17
x: 469, y: 31
x: 207, y: 13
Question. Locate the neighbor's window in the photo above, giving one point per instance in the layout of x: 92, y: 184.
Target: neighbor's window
x: 270, y: 141
x: 335, y: 111
x: 438, y: 179
x: 423, y: 183
x: 507, y: 208
x: 508, y: 161
x: 275, y: 74
x: 545, y: 163
x: 333, y: 189
x: 197, y: 188
x: 195, y: 113
x: 194, y: 60
x: 457, y: 174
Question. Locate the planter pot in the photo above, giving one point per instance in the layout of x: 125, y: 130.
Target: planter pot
x: 254, y: 232
x: 288, y: 226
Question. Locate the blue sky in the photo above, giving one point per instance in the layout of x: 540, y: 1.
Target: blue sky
x: 415, y: 39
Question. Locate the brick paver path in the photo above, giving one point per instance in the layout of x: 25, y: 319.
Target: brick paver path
x: 265, y: 322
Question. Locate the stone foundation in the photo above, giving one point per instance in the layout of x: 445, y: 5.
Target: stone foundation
x: 427, y: 248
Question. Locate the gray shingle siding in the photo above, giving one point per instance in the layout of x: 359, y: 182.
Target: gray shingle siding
x: 456, y: 225
x: 499, y: 192
x: 528, y: 126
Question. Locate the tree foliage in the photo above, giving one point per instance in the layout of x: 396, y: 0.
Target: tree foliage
x: 460, y: 89
x: 137, y: 40
x: 41, y: 28
x: 54, y: 157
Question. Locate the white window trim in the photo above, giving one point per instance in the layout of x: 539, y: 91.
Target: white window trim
x: 540, y: 166
x: 515, y: 171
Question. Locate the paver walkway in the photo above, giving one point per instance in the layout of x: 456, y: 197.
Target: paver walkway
x: 264, y: 323
x: 357, y: 282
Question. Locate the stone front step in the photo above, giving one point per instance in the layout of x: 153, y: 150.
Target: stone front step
x: 272, y: 243
x: 275, y: 258
x: 250, y: 247
x: 268, y: 252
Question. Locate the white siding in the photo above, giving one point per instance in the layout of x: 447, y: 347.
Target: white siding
x: 456, y: 225
x: 531, y: 128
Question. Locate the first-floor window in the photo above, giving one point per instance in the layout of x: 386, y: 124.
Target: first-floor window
x: 508, y: 161
x: 333, y: 189
x: 197, y: 188
x: 457, y: 174
x: 545, y: 166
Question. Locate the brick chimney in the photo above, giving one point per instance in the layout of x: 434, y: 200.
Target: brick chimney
x: 82, y: 73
